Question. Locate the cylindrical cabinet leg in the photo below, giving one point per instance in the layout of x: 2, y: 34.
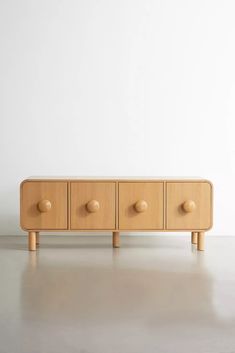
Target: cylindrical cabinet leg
x: 194, y: 238
x: 37, y: 239
x: 32, y: 241
x: 201, y: 241
x: 116, y: 240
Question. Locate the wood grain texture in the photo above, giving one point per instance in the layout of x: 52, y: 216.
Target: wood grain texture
x: 200, y: 194
x: 129, y: 194
x: 32, y: 193
x: 81, y: 194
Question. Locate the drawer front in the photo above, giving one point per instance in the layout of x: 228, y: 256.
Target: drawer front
x: 141, y: 206
x: 44, y: 205
x: 92, y: 205
x: 189, y: 206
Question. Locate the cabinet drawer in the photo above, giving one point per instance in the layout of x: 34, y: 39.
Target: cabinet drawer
x: 141, y: 205
x: 44, y: 205
x: 92, y: 205
x: 189, y: 206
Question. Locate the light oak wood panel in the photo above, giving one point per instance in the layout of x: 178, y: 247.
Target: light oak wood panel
x: 36, y: 217
x: 189, y: 206
x: 83, y: 196
x: 149, y: 215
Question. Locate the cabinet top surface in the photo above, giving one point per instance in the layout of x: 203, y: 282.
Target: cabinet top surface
x: 117, y: 178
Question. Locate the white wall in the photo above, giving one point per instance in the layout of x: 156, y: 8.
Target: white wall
x: 117, y: 88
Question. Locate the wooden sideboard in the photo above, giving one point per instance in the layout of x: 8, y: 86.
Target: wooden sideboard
x: 116, y: 205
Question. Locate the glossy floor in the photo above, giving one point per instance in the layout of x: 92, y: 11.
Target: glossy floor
x: 155, y: 294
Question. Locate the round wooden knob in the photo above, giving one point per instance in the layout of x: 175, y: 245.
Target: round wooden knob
x: 93, y: 206
x: 141, y: 206
x: 189, y: 206
x: 44, y: 206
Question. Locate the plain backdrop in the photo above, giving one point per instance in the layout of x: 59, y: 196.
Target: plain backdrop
x: 128, y: 87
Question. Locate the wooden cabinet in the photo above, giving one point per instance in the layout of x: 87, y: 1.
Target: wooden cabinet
x: 116, y: 204
x: 92, y: 205
x: 140, y: 206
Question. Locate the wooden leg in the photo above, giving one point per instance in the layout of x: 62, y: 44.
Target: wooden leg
x: 32, y: 241
x: 201, y: 241
x: 194, y: 237
x: 116, y: 240
x: 37, y: 239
